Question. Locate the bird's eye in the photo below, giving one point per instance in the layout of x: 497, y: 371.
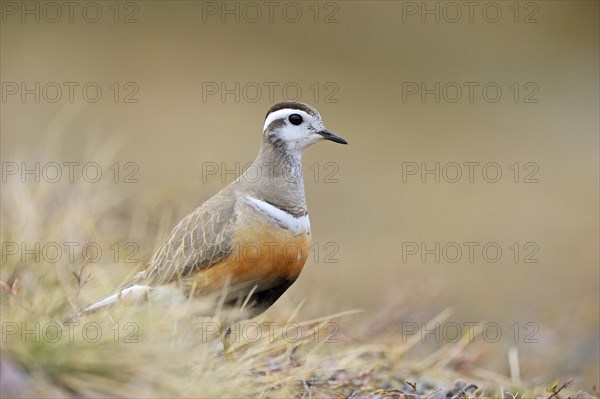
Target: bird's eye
x: 295, y: 119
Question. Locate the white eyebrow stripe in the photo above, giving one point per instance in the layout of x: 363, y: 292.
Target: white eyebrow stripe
x: 296, y: 224
x: 283, y: 113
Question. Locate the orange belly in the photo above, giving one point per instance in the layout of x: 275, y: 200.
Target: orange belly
x: 262, y: 253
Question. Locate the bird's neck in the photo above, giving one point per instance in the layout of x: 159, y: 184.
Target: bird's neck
x: 276, y: 177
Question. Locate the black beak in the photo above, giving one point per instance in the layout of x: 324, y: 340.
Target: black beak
x: 330, y: 136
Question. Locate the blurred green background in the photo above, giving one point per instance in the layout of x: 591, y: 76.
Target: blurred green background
x: 356, y: 62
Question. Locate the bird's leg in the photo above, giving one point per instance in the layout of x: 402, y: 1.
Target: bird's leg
x: 225, y: 331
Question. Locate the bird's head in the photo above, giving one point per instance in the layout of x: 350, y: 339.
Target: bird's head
x: 293, y: 127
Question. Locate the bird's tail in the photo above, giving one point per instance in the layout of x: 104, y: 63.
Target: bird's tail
x: 135, y: 293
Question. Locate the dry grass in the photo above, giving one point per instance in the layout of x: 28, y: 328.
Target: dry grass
x: 165, y: 350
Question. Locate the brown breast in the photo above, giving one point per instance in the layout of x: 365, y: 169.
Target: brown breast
x: 263, y: 253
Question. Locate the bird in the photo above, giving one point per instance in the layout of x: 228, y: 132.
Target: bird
x: 253, y: 236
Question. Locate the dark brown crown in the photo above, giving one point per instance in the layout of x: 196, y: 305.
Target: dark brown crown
x: 292, y: 105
